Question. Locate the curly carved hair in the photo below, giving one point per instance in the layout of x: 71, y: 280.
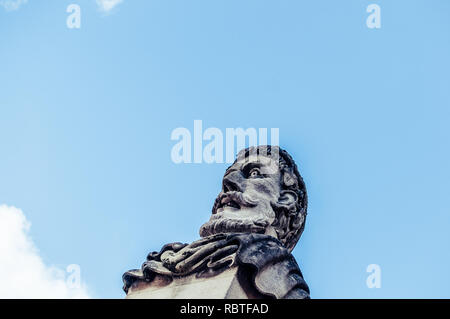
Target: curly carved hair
x: 290, y: 219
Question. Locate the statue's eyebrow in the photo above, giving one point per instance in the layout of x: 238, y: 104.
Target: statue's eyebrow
x: 244, y: 168
x: 248, y: 166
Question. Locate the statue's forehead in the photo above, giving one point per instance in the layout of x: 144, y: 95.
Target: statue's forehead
x: 263, y: 159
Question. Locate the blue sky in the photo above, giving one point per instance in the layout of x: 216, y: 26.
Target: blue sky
x: 86, y: 117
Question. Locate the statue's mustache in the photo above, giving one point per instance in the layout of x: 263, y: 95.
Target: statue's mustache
x: 239, y: 198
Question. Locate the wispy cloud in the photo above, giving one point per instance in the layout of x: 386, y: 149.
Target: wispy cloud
x: 11, y: 5
x: 108, y: 5
x: 23, y: 273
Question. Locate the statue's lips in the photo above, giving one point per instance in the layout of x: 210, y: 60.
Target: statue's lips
x: 229, y: 203
x: 233, y: 200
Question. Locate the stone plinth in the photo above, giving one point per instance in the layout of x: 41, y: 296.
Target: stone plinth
x: 230, y: 284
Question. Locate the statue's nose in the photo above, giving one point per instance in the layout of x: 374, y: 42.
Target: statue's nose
x: 233, y: 181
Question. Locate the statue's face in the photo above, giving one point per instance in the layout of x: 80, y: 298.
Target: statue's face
x: 249, y: 187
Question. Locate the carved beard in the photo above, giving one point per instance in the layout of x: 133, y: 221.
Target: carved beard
x: 217, y: 225
x: 220, y: 224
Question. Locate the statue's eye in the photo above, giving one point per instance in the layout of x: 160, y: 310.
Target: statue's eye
x: 254, y: 173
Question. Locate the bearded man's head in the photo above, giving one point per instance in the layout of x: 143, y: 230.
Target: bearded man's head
x: 262, y: 192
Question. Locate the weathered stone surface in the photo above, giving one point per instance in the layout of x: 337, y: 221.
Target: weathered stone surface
x: 222, y: 286
x: 256, y: 221
x: 264, y: 268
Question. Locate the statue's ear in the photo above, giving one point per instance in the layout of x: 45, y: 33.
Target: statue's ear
x: 287, y: 198
x: 288, y: 180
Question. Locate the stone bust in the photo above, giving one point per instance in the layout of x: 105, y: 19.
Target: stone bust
x: 245, y: 249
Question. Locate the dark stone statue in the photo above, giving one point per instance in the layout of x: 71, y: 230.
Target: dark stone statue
x: 256, y: 221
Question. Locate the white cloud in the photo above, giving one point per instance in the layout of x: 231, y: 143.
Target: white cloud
x: 23, y: 273
x: 11, y: 5
x: 108, y: 5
